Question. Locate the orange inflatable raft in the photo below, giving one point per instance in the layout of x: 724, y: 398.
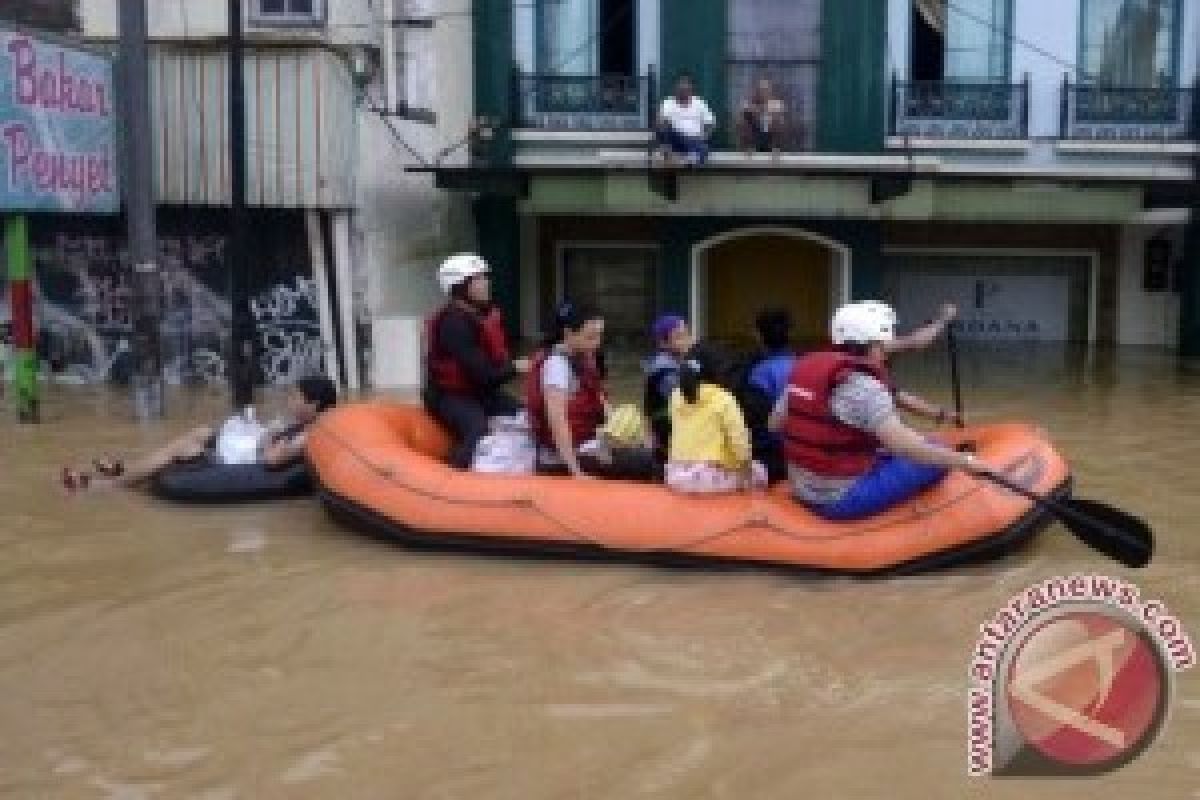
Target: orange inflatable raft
x: 381, y: 467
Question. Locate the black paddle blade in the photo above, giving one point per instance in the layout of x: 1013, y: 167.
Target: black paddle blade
x: 1116, y: 533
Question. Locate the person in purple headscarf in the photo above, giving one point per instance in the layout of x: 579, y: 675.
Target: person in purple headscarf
x: 672, y: 340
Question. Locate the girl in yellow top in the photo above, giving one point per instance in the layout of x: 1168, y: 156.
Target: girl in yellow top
x: 710, y: 444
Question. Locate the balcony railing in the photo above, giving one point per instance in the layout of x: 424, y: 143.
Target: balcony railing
x: 1123, y: 114
x: 584, y: 102
x: 954, y: 110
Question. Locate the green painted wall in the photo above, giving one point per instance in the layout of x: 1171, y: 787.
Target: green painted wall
x: 693, y: 40
x: 852, y: 96
x: 494, y: 63
x: 1189, y: 292
x: 498, y: 236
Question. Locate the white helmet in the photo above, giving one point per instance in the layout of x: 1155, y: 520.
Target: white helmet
x: 458, y: 268
x: 863, y: 322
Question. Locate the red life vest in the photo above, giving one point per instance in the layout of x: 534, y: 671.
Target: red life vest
x: 444, y: 370
x: 813, y: 438
x: 585, y: 407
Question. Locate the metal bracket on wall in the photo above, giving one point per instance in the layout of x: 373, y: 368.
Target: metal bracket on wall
x: 663, y: 182
x: 888, y: 187
x: 508, y: 183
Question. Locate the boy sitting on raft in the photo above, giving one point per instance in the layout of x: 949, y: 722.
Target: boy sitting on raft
x: 672, y: 341
x: 307, y: 398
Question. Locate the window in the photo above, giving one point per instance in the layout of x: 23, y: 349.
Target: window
x: 1129, y: 43
x: 586, y: 37
x: 288, y: 12
x: 411, y: 65
x: 777, y: 41
x: 965, y: 41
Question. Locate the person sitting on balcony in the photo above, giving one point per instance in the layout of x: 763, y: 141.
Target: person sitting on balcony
x: 467, y: 360
x: 849, y: 454
x: 684, y: 125
x: 762, y: 120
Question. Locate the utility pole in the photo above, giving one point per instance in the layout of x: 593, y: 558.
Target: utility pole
x: 139, y: 209
x: 241, y: 350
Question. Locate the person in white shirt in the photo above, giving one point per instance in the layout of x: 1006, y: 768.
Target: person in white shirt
x: 684, y: 124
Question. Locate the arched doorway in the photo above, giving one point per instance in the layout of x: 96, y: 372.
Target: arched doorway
x: 737, y: 274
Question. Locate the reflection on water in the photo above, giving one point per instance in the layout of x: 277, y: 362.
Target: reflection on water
x: 149, y: 651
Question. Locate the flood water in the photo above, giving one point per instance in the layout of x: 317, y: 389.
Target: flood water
x: 151, y: 651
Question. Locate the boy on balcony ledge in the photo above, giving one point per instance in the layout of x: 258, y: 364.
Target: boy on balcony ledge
x: 684, y: 125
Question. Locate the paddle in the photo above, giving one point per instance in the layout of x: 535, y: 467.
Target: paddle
x: 1111, y: 531
x: 1108, y: 530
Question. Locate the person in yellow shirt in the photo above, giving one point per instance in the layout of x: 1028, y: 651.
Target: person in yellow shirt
x: 710, y: 444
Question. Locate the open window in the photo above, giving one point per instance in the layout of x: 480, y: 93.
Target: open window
x: 964, y: 41
x: 587, y: 37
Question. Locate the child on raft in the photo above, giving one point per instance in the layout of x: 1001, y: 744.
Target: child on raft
x: 710, y: 444
x: 672, y: 340
x: 567, y: 404
x: 307, y: 398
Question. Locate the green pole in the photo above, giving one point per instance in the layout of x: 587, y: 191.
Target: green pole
x: 20, y: 297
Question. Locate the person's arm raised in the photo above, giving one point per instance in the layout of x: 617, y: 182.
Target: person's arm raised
x: 926, y: 335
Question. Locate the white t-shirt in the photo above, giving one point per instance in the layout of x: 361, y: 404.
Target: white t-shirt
x: 557, y: 373
x: 688, y: 120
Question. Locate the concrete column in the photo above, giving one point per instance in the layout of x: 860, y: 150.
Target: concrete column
x: 316, y: 250
x: 345, y: 290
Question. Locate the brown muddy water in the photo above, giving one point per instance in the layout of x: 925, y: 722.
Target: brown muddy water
x: 150, y: 651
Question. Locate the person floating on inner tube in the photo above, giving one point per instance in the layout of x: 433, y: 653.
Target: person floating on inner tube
x: 672, y: 341
x: 768, y: 374
x: 467, y: 360
x: 306, y: 400
x: 849, y: 454
x: 567, y: 404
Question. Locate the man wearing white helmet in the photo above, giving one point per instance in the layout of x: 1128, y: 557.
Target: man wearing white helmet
x: 467, y: 359
x: 848, y: 452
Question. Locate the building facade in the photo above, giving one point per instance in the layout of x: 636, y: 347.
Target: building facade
x: 341, y: 97
x: 1030, y: 161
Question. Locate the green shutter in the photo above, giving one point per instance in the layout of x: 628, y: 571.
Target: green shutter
x: 693, y: 40
x: 494, y: 65
x: 498, y: 232
x: 850, y: 115
x: 1189, y: 291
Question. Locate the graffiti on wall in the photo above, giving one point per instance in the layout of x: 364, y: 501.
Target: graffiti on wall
x: 85, y: 315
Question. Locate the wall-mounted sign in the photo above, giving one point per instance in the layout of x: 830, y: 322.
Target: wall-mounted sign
x: 57, y: 127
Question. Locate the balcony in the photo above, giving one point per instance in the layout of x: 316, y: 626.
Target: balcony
x: 584, y: 102
x: 943, y: 110
x: 1123, y: 114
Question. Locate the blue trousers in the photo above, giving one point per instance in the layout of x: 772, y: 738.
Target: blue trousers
x: 891, y: 481
x: 693, y: 147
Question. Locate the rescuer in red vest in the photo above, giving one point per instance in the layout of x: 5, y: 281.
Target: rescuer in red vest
x: 849, y: 454
x: 467, y: 360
